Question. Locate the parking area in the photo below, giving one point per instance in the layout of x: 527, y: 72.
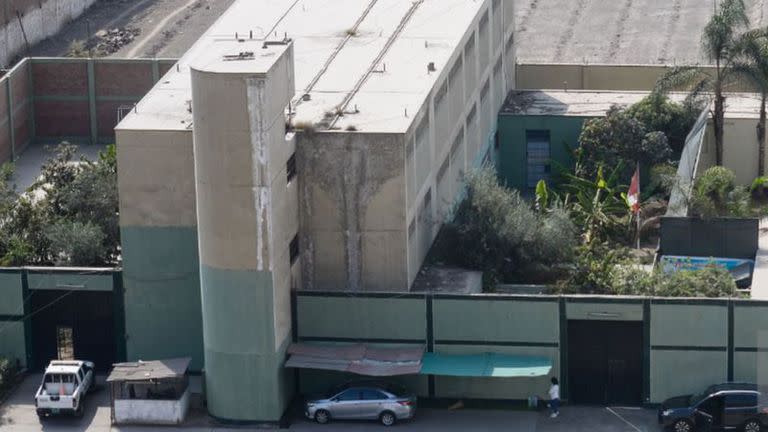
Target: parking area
x: 572, y: 419
x: 17, y: 414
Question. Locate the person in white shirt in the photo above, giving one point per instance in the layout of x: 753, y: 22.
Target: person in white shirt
x: 554, y: 397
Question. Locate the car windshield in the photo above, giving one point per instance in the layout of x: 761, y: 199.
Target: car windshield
x: 696, y: 398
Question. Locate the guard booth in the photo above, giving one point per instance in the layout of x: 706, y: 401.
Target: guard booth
x: 150, y: 392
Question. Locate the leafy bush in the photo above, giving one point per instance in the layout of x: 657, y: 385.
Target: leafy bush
x: 707, y: 282
x: 73, y: 204
x: 76, y: 243
x: 600, y: 269
x: 715, y: 194
x: 675, y: 120
x: 759, y: 189
x: 619, y: 137
x: 496, y: 231
x: 8, y: 371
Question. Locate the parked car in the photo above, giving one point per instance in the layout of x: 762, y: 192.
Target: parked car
x: 730, y: 406
x: 387, y: 403
x: 64, y: 386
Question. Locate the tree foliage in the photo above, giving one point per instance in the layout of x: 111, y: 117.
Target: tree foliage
x: 620, y: 137
x: 658, y: 113
x: 718, y: 42
x: 68, y: 217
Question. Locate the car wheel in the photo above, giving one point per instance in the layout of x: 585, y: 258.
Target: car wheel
x: 322, y: 416
x: 682, y: 425
x: 79, y: 411
x: 753, y: 426
x: 387, y: 418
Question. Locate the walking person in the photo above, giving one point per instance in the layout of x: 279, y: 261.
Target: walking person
x: 554, y: 398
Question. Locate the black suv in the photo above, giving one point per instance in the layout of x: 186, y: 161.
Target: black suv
x: 732, y: 406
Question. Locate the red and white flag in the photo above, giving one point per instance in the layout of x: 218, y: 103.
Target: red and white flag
x: 633, y: 196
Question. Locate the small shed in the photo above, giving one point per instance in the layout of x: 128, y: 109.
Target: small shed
x: 149, y: 392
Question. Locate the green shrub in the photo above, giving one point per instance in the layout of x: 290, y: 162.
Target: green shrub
x: 8, y: 371
x: 715, y: 194
x: 759, y: 189
x: 498, y: 232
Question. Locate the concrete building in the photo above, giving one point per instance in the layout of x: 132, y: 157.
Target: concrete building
x: 315, y: 144
x: 539, y: 127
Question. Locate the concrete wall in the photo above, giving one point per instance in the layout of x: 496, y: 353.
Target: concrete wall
x: 512, y: 163
x: 688, y: 344
x: 353, y: 232
x: 245, y: 220
x: 454, y: 131
x: 740, y: 153
x: 152, y: 412
x: 159, y: 238
x: 16, y: 108
x: 25, y: 22
x: 54, y: 99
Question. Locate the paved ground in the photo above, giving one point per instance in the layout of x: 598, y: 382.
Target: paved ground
x: 569, y: 31
x: 167, y: 27
x: 29, y: 163
x: 17, y: 414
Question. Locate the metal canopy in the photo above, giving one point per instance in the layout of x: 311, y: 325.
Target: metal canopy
x: 364, y: 360
x: 149, y: 370
x: 485, y: 365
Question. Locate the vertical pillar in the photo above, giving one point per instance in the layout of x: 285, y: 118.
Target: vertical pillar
x: 647, y: 351
x: 11, y: 126
x: 27, y: 299
x: 731, y: 341
x: 430, y: 340
x: 563, y: 349
x: 155, y: 71
x: 92, y: 102
x: 118, y: 315
x: 31, y: 100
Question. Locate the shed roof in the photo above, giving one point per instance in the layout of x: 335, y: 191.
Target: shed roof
x: 149, y: 370
x: 595, y: 103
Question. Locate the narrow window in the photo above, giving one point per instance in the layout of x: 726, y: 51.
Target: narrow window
x: 294, y: 249
x: 290, y: 167
x: 538, y: 157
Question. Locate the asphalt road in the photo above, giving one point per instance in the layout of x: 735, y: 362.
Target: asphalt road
x: 17, y: 414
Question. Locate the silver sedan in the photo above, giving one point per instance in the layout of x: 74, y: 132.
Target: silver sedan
x: 387, y: 404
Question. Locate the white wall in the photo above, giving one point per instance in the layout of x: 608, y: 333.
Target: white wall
x: 39, y: 23
x: 139, y: 411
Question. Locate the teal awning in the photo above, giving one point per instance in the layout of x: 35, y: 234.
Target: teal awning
x: 485, y: 365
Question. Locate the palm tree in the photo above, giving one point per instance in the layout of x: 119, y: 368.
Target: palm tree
x: 750, y: 60
x: 717, y: 41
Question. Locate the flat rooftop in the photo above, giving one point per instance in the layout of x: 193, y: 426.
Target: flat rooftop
x: 586, y: 103
x: 369, y: 59
x: 617, y: 32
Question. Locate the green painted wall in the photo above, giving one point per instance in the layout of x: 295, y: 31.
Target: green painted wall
x: 689, y: 325
x: 363, y: 318
x: 245, y: 379
x: 496, y: 321
x: 564, y: 134
x: 679, y: 372
x: 11, y: 298
x: 161, y: 278
x: 70, y: 281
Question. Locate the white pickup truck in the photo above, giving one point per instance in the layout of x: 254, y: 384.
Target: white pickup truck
x: 64, y: 386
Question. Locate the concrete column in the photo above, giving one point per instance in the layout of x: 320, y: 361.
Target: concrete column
x: 238, y: 116
x: 92, y: 102
x: 11, y: 128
